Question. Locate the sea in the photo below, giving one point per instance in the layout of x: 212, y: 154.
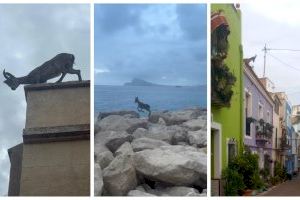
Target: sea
x: 160, y: 98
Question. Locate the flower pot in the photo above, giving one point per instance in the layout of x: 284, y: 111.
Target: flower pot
x: 247, y: 192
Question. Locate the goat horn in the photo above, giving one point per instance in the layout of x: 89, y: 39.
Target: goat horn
x: 5, y: 75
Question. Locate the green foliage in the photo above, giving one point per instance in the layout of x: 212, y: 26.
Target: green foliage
x: 222, y: 81
x: 274, y: 180
x: 244, y: 168
x: 280, y: 172
x: 256, y: 182
x: 234, y: 184
x: 265, y: 173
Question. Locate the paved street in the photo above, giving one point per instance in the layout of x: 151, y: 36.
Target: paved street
x: 288, y: 188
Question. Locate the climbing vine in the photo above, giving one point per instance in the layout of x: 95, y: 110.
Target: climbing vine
x: 222, y: 79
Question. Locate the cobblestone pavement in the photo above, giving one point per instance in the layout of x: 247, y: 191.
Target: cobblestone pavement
x: 288, y: 188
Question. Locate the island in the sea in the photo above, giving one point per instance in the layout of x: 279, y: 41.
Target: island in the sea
x: 140, y: 82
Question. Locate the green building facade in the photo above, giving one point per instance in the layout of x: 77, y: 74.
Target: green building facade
x: 227, y: 121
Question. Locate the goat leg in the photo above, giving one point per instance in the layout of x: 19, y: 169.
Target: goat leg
x: 75, y: 71
x: 61, y: 78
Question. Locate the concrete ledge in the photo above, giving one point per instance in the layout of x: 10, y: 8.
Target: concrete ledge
x: 62, y: 85
x: 54, y: 134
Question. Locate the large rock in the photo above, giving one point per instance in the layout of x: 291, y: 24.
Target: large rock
x: 100, y: 137
x: 160, y: 132
x: 195, y: 124
x: 104, y: 158
x: 127, y: 113
x: 99, y: 147
x: 125, y: 149
x: 138, y: 193
x: 171, y: 134
x: 197, y: 138
x: 180, y: 134
x: 176, y: 165
x: 176, y: 117
x: 121, y: 123
x: 116, y: 139
x: 155, y: 131
x: 177, y: 191
x: 204, y: 193
x: 120, y: 176
x: 139, y: 133
x: 146, y: 143
x: 98, y: 181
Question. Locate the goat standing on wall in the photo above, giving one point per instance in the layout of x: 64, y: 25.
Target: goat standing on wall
x: 142, y: 106
x: 61, y: 64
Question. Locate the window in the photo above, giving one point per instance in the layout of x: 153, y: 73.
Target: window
x: 248, y: 112
x: 248, y: 105
x: 260, y: 111
x: 276, y: 106
x: 268, y: 117
x: 248, y: 127
x: 231, y: 151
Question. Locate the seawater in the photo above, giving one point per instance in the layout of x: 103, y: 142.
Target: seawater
x: 115, y: 98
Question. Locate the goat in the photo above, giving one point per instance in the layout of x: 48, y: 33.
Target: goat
x: 248, y: 60
x: 142, y: 106
x: 61, y: 64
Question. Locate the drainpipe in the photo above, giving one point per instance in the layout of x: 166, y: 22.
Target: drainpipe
x: 241, y: 98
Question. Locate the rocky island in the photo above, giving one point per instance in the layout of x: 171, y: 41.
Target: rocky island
x: 140, y: 82
x: 163, y: 155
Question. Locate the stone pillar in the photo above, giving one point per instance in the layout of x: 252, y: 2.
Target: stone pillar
x: 56, y: 149
x: 15, y: 156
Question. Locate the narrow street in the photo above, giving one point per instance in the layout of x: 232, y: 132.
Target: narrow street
x: 288, y: 188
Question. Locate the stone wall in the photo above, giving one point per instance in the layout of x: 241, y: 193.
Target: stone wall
x: 56, y: 169
x: 56, y: 150
x: 60, y: 104
x: 15, y: 155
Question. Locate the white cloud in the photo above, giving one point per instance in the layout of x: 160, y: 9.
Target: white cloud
x: 285, y: 12
x: 101, y: 70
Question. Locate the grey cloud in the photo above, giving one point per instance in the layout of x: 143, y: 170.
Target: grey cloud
x: 188, y: 15
x: 163, y: 46
x: 114, y: 18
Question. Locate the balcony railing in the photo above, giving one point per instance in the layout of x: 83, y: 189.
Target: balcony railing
x: 264, y: 132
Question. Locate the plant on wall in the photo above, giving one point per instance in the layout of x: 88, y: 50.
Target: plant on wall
x: 222, y: 79
x: 243, y: 167
x: 264, y: 129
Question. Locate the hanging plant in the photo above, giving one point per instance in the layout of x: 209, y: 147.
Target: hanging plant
x: 222, y: 79
x: 261, y: 122
x: 250, y: 120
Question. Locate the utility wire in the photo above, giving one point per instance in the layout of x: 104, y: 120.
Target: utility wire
x: 282, y: 62
x: 284, y: 49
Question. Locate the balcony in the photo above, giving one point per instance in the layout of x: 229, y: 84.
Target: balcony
x: 284, y: 144
x: 264, y: 133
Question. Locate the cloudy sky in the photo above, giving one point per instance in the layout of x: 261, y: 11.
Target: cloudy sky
x: 277, y: 25
x: 29, y: 36
x: 163, y: 43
